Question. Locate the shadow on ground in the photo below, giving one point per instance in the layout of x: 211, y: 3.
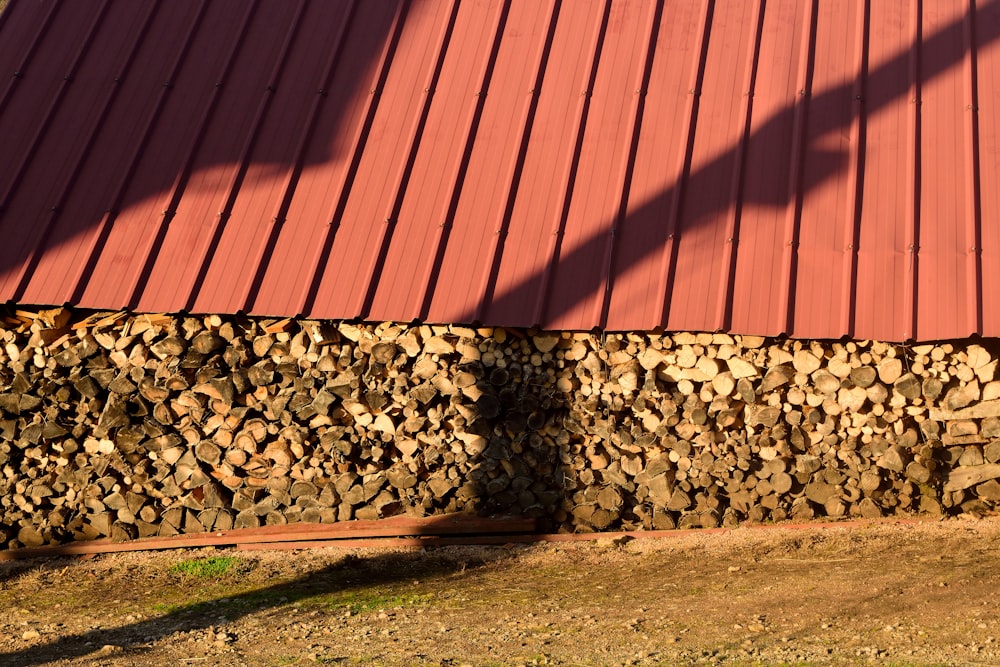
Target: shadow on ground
x: 342, y: 586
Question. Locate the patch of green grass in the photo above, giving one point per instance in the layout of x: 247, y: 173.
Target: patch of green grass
x: 358, y: 602
x: 205, y: 568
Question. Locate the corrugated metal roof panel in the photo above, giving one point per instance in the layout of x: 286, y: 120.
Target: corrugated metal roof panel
x: 818, y: 169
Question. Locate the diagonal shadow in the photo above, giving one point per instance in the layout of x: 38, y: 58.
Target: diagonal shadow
x: 316, y: 139
x: 335, y: 587
x: 884, y: 85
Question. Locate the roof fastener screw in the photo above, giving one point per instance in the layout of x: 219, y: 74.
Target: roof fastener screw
x: 802, y: 92
x: 857, y: 97
x: 850, y: 246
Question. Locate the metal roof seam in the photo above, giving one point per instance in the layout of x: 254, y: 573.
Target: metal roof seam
x: 974, y: 223
x: 680, y: 181
x: 912, y: 238
x: 386, y: 230
x: 565, y: 192
x: 602, y: 296
x: 855, y: 173
x: 723, y: 306
x: 793, y: 213
x: 321, y: 256
x: 441, y: 234
x: 261, y: 260
x: 137, y: 283
x: 46, y: 117
x: 491, y: 266
x: 206, y: 252
x: 97, y: 124
x: 19, y: 71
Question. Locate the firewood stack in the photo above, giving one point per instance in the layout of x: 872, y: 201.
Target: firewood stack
x: 124, y: 426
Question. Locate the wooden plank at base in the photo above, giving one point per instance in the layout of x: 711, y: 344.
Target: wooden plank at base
x: 451, y: 524
x: 435, y: 541
x: 268, y: 537
x: 394, y: 542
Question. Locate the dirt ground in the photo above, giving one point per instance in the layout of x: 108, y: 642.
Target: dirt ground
x: 884, y: 593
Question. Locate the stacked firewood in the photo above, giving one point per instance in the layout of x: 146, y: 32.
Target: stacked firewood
x: 130, y: 425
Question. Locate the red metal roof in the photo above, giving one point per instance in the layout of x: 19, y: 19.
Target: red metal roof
x: 817, y: 169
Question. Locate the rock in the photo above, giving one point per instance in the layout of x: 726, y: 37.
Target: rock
x: 29, y: 635
x: 617, y: 541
